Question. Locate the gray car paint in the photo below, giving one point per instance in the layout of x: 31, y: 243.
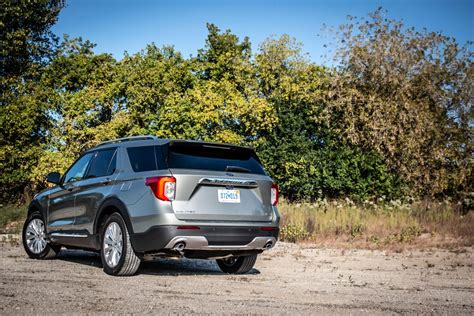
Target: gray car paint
x: 73, y: 207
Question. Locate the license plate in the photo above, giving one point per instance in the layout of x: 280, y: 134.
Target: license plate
x: 228, y: 196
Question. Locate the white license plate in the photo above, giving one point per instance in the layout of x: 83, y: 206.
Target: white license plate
x: 228, y: 196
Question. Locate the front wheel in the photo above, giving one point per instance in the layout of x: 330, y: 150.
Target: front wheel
x: 34, y: 238
x: 118, y: 257
x: 237, y: 265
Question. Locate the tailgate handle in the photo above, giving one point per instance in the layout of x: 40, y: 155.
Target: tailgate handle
x: 229, y: 182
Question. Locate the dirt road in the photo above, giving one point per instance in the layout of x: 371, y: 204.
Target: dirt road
x: 290, y: 279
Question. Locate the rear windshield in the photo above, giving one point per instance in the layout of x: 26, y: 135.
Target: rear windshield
x: 213, y: 157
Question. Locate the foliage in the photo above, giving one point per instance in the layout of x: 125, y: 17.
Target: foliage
x: 213, y: 97
x: 408, y: 96
x: 302, y: 152
x: 394, y: 117
x: 293, y: 233
x: 26, y: 44
x: 25, y: 36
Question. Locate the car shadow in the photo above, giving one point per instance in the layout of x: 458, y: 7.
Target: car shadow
x: 160, y: 266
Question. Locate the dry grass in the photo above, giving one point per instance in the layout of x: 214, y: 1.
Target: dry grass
x: 12, y: 218
x: 387, y: 225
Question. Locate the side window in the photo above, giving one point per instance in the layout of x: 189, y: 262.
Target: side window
x: 146, y: 158
x: 142, y: 158
x: 103, y: 163
x: 77, y: 171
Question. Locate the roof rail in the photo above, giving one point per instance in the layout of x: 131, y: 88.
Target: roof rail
x: 127, y: 139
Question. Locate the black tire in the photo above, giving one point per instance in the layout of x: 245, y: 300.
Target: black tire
x: 128, y: 263
x: 237, y: 265
x: 49, y: 251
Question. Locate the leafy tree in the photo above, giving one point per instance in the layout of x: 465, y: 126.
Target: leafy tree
x: 26, y: 43
x: 213, y: 97
x: 395, y: 114
x: 84, y: 104
x: 408, y: 96
x: 151, y: 83
x: 228, y: 93
x: 303, y: 152
x: 24, y: 125
x: 25, y: 36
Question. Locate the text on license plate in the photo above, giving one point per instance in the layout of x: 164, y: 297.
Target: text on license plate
x: 228, y: 196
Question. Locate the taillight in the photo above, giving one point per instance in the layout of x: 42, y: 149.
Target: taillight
x: 274, y: 194
x: 162, y: 187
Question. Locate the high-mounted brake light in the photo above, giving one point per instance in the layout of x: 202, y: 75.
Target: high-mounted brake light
x: 164, y: 188
x: 274, y: 194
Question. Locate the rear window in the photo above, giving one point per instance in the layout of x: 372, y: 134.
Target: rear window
x: 213, y: 157
x: 146, y: 158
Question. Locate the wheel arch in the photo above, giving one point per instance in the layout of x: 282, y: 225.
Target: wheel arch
x: 109, y: 206
x: 36, y: 206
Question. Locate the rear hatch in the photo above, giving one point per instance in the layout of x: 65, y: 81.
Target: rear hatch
x: 218, y: 183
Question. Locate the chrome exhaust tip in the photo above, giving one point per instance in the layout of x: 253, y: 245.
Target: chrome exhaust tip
x: 268, y: 245
x: 179, y: 246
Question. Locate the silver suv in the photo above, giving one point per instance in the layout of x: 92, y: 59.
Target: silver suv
x: 136, y: 197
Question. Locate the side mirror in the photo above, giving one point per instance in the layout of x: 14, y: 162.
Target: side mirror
x: 54, y: 177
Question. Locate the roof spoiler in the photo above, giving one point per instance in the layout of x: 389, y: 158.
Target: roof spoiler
x: 221, y: 146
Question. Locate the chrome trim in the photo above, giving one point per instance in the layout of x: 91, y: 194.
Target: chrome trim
x: 200, y: 243
x: 59, y: 234
x: 229, y: 182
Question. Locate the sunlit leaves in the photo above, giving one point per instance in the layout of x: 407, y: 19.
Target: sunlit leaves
x: 408, y: 96
x: 395, y: 114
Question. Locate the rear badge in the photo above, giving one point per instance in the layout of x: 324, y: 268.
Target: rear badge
x: 228, y: 196
x: 184, y: 212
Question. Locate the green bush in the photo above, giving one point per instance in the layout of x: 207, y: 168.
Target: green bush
x: 306, y: 171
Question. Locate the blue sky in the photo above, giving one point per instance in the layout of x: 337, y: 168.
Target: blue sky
x: 118, y: 25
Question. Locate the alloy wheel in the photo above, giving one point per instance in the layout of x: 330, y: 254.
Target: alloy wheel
x: 113, y: 244
x: 35, y: 236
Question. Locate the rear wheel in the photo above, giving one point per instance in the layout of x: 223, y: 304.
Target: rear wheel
x: 118, y: 257
x: 237, y: 265
x: 34, y: 238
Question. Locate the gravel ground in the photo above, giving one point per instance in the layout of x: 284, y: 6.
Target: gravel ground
x: 289, y: 279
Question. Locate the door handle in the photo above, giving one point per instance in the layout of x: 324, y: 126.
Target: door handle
x: 105, y: 182
x: 68, y: 187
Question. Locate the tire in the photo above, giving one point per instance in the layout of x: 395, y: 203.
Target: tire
x: 237, y: 265
x: 115, y: 237
x: 35, y: 240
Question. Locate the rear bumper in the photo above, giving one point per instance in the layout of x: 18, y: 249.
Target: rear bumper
x: 201, y: 243
x: 207, y: 238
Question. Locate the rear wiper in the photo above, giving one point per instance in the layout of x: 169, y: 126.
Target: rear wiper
x: 237, y: 169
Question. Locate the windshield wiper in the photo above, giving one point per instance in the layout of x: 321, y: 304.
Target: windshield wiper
x: 237, y: 169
